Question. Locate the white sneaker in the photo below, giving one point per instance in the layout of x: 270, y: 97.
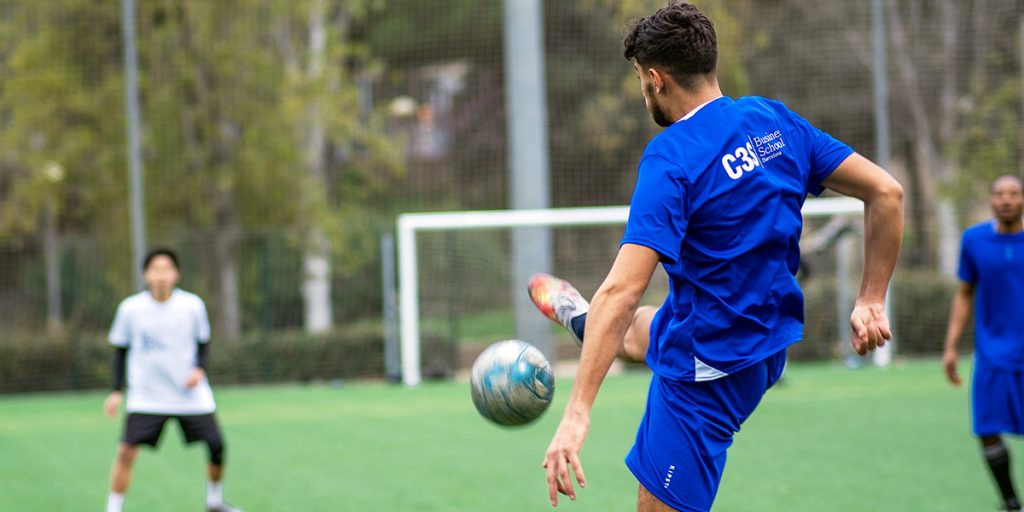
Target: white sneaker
x: 223, y: 507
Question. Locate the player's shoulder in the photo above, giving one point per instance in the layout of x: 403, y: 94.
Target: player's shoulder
x: 979, y: 230
x: 664, y: 157
x: 188, y: 297
x: 188, y: 300
x: 133, y: 301
x: 760, y: 103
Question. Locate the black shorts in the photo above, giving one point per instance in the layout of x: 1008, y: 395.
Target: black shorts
x: 141, y: 428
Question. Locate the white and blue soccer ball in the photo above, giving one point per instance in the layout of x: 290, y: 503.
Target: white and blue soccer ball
x: 512, y: 383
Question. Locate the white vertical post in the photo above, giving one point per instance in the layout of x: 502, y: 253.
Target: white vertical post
x: 408, y: 277
x: 845, y: 249
x: 883, y: 356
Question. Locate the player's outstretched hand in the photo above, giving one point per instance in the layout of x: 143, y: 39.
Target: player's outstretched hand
x: 563, y: 453
x: 195, y: 378
x: 949, y: 364
x: 869, y: 325
x: 113, y: 403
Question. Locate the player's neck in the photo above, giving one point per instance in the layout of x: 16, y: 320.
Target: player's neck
x: 1009, y: 227
x: 161, y: 297
x: 687, y: 101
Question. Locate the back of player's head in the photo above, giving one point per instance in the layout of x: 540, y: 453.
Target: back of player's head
x: 159, y: 251
x: 678, y: 39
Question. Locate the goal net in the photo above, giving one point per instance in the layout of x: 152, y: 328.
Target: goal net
x: 456, y: 290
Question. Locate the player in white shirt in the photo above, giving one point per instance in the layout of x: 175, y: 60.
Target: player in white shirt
x: 162, y: 335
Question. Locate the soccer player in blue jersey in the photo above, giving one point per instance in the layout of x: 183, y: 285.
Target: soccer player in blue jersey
x: 992, y: 279
x: 717, y: 203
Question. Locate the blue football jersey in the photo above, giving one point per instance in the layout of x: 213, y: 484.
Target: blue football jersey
x: 718, y: 197
x: 994, y: 263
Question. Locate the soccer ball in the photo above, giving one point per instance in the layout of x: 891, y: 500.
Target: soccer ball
x: 512, y: 383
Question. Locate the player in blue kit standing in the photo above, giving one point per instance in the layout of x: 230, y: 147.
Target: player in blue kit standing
x: 992, y: 279
x: 717, y: 203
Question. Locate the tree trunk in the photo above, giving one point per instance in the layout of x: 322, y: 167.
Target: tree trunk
x: 316, y: 286
x: 228, y: 320
x: 933, y: 130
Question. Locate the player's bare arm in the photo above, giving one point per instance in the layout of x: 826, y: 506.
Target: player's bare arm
x: 883, y: 234
x: 963, y: 304
x: 113, y: 403
x: 611, y: 313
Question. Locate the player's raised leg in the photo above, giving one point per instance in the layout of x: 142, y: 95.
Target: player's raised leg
x: 561, y: 302
x: 638, y: 336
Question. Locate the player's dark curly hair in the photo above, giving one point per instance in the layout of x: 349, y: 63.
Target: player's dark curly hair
x: 678, y: 39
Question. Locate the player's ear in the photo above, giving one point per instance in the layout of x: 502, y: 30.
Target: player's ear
x: 656, y: 79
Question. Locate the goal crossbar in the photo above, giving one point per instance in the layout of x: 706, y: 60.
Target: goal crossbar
x: 409, y: 224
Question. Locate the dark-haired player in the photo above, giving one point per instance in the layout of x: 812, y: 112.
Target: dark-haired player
x: 161, y: 335
x: 992, y: 278
x: 717, y: 203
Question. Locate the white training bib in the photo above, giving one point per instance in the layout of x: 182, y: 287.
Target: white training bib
x: 161, y: 339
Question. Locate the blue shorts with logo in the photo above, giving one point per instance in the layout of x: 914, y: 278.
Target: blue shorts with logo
x: 997, y: 400
x: 679, y: 453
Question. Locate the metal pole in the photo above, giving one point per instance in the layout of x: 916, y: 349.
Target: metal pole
x: 882, y: 356
x: 526, y: 105
x: 392, y: 364
x: 881, y: 85
x: 131, y: 100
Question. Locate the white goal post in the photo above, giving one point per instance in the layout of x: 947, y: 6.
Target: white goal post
x: 410, y: 224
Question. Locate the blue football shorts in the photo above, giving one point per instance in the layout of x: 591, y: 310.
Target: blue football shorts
x: 679, y: 453
x: 997, y: 401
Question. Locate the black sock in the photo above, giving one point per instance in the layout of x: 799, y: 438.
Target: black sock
x: 998, y: 458
x: 578, y: 325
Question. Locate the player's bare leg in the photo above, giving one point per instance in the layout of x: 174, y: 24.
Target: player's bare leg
x: 998, y: 458
x: 121, y: 474
x: 638, y: 336
x: 215, y: 472
x: 563, y: 304
x: 647, y: 502
x: 215, y: 489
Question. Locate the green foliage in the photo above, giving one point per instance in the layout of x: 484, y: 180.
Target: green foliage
x: 73, y: 360
x: 225, y: 111
x: 734, y: 36
x: 987, y: 144
x: 59, y: 145
x: 463, y: 29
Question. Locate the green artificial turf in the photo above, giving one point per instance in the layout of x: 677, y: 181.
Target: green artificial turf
x: 826, y: 439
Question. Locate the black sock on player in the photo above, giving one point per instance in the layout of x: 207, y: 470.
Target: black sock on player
x: 578, y: 325
x: 998, y: 458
